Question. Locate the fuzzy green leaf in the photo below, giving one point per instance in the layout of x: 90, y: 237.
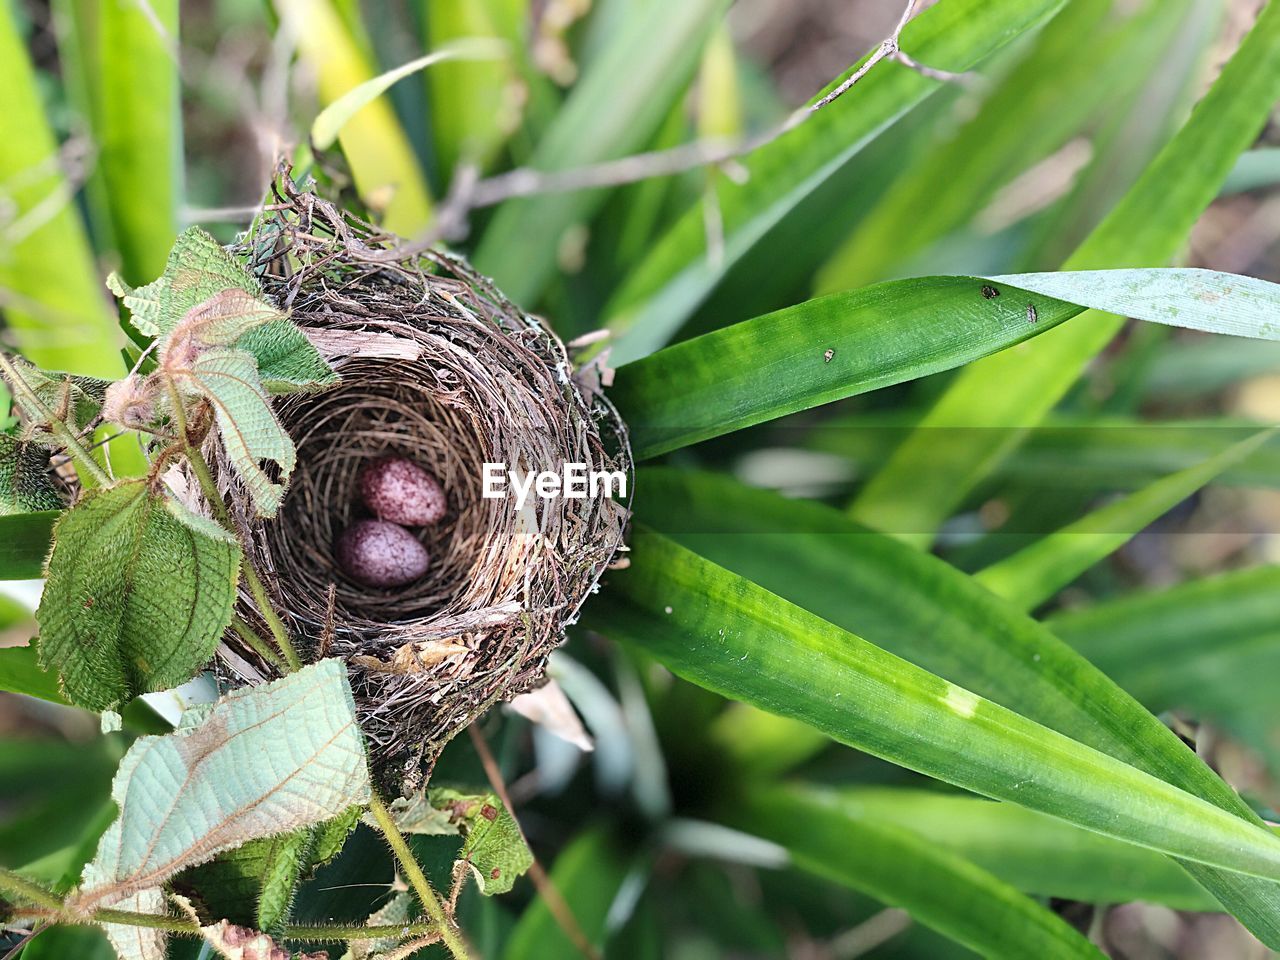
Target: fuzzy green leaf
x: 262, y: 761
x: 25, y: 483
x: 136, y: 601
x: 74, y: 400
x: 247, y: 424
x: 198, y: 268
x: 494, y: 847
x: 287, y: 361
x: 199, y: 271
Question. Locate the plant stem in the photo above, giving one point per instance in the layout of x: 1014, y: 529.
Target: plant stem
x: 209, y: 487
x: 60, y: 429
x: 253, y: 639
x: 52, y: 908
x: 449, y: 933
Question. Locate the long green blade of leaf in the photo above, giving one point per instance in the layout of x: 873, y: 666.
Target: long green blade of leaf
x: 844, y: 344
x: 921, y: 608
x: 1045, y: 99
x: 902, y: 868
x: 723, y: 632
x: 329, y: 122
x: 1035, y: 573
x: 679, y: 272
x: 123, y: 64
x: 1211, y: 646
x: 602, y: 120
x: 382, y: 161
x: 54, y: 304
x: 24, y: 544
x: 1034, y: 853
x: 1148, y: 226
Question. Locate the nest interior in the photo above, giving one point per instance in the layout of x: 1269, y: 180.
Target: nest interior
x: 437, y: 366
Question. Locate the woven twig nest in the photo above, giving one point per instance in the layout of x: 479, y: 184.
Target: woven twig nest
x: 437, y: 366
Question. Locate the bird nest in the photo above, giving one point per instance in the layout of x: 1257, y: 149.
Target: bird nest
x: 436, y: 366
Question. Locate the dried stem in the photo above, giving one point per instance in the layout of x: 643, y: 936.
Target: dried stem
x: 450, y: 935
x: 471, y: 193
x: 550, y: 893
x: 209, y: 487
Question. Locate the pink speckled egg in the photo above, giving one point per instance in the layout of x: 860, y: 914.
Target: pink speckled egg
x: 381, y: 554
x: 399, y: 490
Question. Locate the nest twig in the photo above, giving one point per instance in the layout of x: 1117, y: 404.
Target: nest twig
x: 438, y: 366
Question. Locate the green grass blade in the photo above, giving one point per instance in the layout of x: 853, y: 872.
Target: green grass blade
x: 1031, y: 852
x: 902, y: 868
x: 1047, y: 98
x: 123, y: 64
x: 741, y: 641
x: 678, y: 274
x: 20, y: 673
x: 1211, y: 646
x: 383, y: 163
x: 602, y: 119
x: 472, y: 104
x: 849, y: 343
x: 921, y: 608
x: 1146, y: 228
x: 54, y: 303
x: 1034, y: 574
x: 24, y: 543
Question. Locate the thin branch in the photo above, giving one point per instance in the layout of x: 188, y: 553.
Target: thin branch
x: 550, y: 893
x: 64, y: 434
x: 450, y: 935
x: 470, y: 193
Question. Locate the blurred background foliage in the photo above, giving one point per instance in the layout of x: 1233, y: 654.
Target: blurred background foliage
x: 125, y: 120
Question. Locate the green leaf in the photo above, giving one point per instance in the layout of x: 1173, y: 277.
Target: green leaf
x: 26, y: 485
x: 494, y: 847
x: 74, y: 400
x: 916, y: 492
x: 678, y: 273
x: 262, y: 761
x: 601, y: 120
x: 474, y: 106
x: 20, y: 672
x: 330, y: 121
x: 849, y: 343
x: 903, y: 869
x: 741, y: 641
x: 1034, y: 574
x: 198, y: 268
x: 122, y: 74
x: 247, y: 423
x: 54, y: 308
x: 1211, y: 646
x: 24, y: 544
x: 135, y: 601
x: 923, y: 609
x: 1031, y: 852
x: 1046, y: 98
x: 287, y: 362
x: 381, y: 158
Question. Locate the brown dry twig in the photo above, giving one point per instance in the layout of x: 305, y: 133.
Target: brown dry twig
x: 469, y: 192
x: 550, y: 893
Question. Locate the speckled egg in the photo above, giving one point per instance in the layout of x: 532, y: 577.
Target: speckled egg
x: 381, y: 554
x: 397, y: 489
